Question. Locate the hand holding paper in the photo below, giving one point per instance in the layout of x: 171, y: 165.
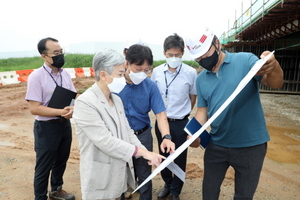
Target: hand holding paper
x: 192, y: 127
x: 196, y: 142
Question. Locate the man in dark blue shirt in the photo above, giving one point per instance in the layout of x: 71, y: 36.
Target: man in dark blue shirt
x: 140, y: 96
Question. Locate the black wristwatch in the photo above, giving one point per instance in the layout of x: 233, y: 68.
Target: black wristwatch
x: 168, y: 136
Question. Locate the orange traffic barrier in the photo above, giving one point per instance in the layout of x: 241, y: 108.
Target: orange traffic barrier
x: 71, y: 71
x: 23, y: 74
x: 87, y: 71
x: 79, y: 72
x: 92, y: 71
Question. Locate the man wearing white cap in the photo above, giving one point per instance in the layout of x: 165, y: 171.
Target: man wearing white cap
x: 239, y: 135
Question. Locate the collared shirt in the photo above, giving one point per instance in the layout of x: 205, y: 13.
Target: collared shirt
x: 40, y: 86
x: 139, y: 100
x: 181, y: 84
x: 242, y: 123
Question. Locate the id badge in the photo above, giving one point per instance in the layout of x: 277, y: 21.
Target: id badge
x: 166, y: 101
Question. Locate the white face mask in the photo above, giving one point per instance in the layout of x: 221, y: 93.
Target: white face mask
x: 137, y: 78
x: 173, y: 62
x: 117, y: 85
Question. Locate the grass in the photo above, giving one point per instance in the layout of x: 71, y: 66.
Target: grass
x: 13, y: 64
x: 71, y: 61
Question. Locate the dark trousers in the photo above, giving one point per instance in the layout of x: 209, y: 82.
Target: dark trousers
x: 247, y: 163
x: 178, y: 137
x: 52, y: 143
x: 141, y: 167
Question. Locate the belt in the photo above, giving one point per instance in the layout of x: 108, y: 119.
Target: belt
x: 56, y: 120
x: 138, y: 132
x: 173, y: 120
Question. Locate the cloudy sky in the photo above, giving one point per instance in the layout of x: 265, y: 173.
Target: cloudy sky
x: 24, y: 22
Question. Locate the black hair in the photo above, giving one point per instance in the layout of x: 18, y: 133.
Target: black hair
x: 42, y: 44
x: 174, y: 41
x: 138, y: 54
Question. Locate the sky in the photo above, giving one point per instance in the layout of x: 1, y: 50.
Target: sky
x: 24, y: 23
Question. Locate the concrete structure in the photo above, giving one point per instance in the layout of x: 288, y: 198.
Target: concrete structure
x: 270, y: 25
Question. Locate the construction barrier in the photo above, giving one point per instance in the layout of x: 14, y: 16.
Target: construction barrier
x: 79, y: 72
x: 92, y: 71
x: 86, y: 71
x: 9, y: 77
x: 23, y: 74
x: 71, y: 71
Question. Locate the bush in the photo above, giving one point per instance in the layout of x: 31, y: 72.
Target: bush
x: 71, y: 61
x: 13, y: 64
x: 78, y: 60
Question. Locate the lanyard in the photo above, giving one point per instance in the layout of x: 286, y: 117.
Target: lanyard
x: 53, y: 78
x: 167, y: 85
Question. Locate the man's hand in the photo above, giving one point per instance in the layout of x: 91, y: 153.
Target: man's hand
x: 269, y: 66
x: 195, y: 143
x: 273, y: 74
x: 68, y: 112
x: 168, y: 145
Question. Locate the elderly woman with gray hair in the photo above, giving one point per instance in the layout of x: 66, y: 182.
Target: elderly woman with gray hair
x: 107, y: 143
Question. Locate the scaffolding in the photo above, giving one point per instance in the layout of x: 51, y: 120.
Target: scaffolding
x: 256, y: 11
x: 270, y: 25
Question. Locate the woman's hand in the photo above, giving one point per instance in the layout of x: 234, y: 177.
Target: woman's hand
x: 153, y: 158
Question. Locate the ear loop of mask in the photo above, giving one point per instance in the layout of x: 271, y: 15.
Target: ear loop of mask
x: 218, y: 51
x: 108, y: 75
x: 213, y: 43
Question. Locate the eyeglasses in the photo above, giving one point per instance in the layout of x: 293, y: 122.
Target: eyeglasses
x: 147, y: 71
x: 56, y: 52
x: 177, y: 55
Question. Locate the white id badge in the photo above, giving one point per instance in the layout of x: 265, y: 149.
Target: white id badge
x: 166, y: 101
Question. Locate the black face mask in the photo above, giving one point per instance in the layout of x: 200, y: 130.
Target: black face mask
x: 209, y: 62
x: 58, y: 61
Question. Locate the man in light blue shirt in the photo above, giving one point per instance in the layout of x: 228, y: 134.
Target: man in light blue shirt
x: 176, y: 83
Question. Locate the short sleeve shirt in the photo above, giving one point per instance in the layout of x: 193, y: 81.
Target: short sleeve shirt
x: 139, y: 100
x: 40, y: 86
x: 242, y: 123
x: 180, y: 84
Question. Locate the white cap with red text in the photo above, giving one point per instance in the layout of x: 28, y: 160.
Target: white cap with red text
x: 199, y: 44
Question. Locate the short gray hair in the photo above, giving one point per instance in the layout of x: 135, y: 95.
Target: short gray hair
x: 107, y: 60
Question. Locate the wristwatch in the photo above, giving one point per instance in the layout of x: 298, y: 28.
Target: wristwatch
x: 168, y: 136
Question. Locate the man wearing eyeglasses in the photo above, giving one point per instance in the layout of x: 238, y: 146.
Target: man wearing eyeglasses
x: 139, y: 97
x: 176, y: 83
x: 52, y: 128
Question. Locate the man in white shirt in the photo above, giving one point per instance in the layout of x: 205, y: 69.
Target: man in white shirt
x: 176, y: 83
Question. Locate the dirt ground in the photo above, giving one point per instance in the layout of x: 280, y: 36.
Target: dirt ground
x: 280, y: 177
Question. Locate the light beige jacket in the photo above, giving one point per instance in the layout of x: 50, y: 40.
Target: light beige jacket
x: 104, y: 156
